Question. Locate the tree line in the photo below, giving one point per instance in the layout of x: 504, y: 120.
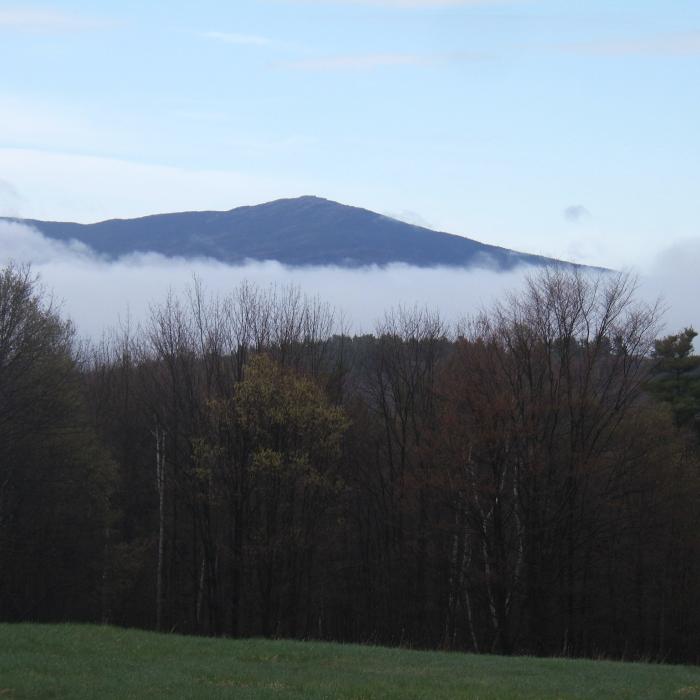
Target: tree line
x: 524, y: 483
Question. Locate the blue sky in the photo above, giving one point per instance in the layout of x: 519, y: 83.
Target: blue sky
x: 563, y: 128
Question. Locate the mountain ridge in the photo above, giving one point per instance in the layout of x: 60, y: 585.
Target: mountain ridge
x: 300, y: 231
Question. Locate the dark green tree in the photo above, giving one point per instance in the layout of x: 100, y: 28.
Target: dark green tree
x: 676, y: 379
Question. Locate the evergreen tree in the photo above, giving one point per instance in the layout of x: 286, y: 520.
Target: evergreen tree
x: 676, y: 379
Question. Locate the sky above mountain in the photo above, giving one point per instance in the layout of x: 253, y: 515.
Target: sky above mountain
x: 566, y: 128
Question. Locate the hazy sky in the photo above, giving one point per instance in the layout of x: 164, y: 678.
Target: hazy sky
x: 562, y: 127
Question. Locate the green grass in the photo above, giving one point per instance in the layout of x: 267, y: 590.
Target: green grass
x: 80, y: 661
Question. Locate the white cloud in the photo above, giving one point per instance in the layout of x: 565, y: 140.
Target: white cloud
x: 23, y: 244
x: 414, y: 3
x: 96, y: 292
x: 44, y: 19
x: 673, y: 276
x: 371, y: 61
x: 685, y: 44
x: 240, y: 39
x: 576, y: 212
x: 410, y: 217
x: 359, y: 62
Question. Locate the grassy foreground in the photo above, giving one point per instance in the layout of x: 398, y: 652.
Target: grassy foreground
x: 80, y: 661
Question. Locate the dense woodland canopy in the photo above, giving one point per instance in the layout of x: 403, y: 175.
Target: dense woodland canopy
x: 526, y: 483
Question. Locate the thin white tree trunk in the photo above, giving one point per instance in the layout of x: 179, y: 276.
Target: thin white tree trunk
x: 160, y: 485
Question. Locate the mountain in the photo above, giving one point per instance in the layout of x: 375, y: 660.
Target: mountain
x: 301, y: 231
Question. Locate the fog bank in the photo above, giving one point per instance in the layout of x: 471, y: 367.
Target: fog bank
x: 98, y: 293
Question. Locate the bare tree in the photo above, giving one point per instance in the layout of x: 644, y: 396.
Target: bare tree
x: 549, y: 378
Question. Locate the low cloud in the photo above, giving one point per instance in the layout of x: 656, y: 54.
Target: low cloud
x: 23, y: 244
x: 673, y: 276
x: 410, y: 217
x: 576, y: 212
x: 132, y: 283
x: 97, y: 292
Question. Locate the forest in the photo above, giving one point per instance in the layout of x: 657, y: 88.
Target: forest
x: 526, y: 482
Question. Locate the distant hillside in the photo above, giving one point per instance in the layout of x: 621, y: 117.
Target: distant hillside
x: 302, y: 231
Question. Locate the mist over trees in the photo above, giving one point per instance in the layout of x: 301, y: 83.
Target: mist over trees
x: 525, y: 483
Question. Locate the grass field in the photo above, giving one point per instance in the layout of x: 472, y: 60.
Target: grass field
x: 80, y: 661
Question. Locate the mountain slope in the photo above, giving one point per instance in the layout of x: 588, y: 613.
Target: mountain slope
x: 301, y: 231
